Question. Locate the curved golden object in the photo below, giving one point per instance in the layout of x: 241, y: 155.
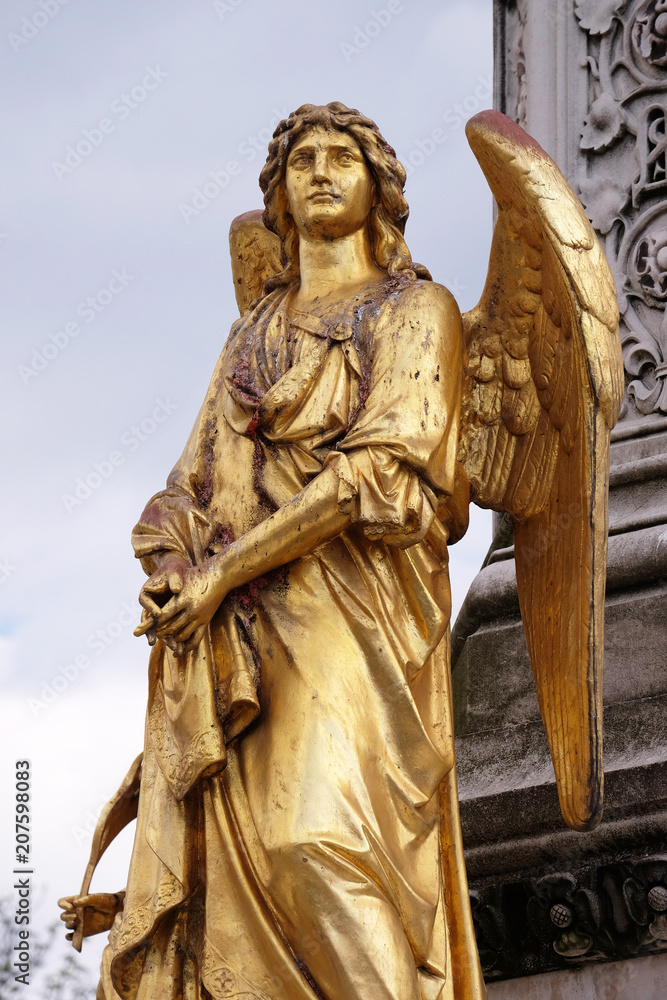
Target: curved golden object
x: 543, y: 390
x: 255, y: 254
x: 120, y: 810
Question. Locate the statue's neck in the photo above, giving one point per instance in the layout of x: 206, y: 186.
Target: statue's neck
x: 330, y: 268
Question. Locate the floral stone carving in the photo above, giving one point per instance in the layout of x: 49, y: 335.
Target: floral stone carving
x: 570, y: 918
x: 624, y: 185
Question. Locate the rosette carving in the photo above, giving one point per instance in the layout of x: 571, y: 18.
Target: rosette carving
x: 597, y: 913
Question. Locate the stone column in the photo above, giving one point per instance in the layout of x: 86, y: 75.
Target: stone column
x: 589, y: 80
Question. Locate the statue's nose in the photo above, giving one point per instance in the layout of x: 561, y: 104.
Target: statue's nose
x: 321, y: 174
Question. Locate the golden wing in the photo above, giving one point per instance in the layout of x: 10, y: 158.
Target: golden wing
x: 255, y: 253
x: 543, y: 389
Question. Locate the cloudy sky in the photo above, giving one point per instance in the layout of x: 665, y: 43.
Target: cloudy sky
x: 133, y: 134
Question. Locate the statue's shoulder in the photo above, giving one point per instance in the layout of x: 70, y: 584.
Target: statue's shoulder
x: 245, y: 324
x: 427, y: 300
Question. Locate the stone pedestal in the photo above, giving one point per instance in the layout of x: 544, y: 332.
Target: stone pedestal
x: 645, y: 977
x: 589, y: 81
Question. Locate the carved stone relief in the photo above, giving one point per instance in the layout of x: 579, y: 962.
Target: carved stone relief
x: 571, y: 918
x: 606, y: 61
x: 517, y: 60
x: 623, y: 183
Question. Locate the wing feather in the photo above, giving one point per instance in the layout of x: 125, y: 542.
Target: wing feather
x: 255, y: 253
x: 544, y: 386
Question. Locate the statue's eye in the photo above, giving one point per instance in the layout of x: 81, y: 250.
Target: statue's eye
x: 345, y: 157
x: 300, y: 160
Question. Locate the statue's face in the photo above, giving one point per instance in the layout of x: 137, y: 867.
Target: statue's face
x: 330, y: 189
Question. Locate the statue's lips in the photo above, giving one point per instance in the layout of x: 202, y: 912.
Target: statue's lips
x: 324, y: 198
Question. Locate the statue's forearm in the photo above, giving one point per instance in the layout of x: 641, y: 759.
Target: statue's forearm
x: 308, y: 520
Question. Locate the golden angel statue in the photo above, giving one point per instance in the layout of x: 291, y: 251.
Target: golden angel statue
x: 298, y: 833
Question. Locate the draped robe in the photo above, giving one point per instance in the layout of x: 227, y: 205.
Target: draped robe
x: 298, y: 831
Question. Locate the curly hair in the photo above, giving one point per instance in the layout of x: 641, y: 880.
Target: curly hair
x: 387, y: 218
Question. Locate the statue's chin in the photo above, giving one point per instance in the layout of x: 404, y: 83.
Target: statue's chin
x: 328, y: 217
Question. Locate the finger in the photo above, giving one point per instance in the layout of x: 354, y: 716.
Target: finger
x: 157, y: 584
x: 169, y: 624
x: 66, y: 903
x: 175, y: 582
x: 174, y: 606
x: 194, y: 639
x: 185, y: 631
x: 69, y: 937
x: 148, y: 604
x: 145, y: 626
x: 175, y: 647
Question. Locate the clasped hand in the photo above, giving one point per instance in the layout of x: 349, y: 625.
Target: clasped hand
x: 179, y: 601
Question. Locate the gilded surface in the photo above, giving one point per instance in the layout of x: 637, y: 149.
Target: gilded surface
x: 297, y: 824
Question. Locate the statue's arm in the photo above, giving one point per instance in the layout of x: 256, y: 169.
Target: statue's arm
x: 414, y: 403
x: 311, y: 518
